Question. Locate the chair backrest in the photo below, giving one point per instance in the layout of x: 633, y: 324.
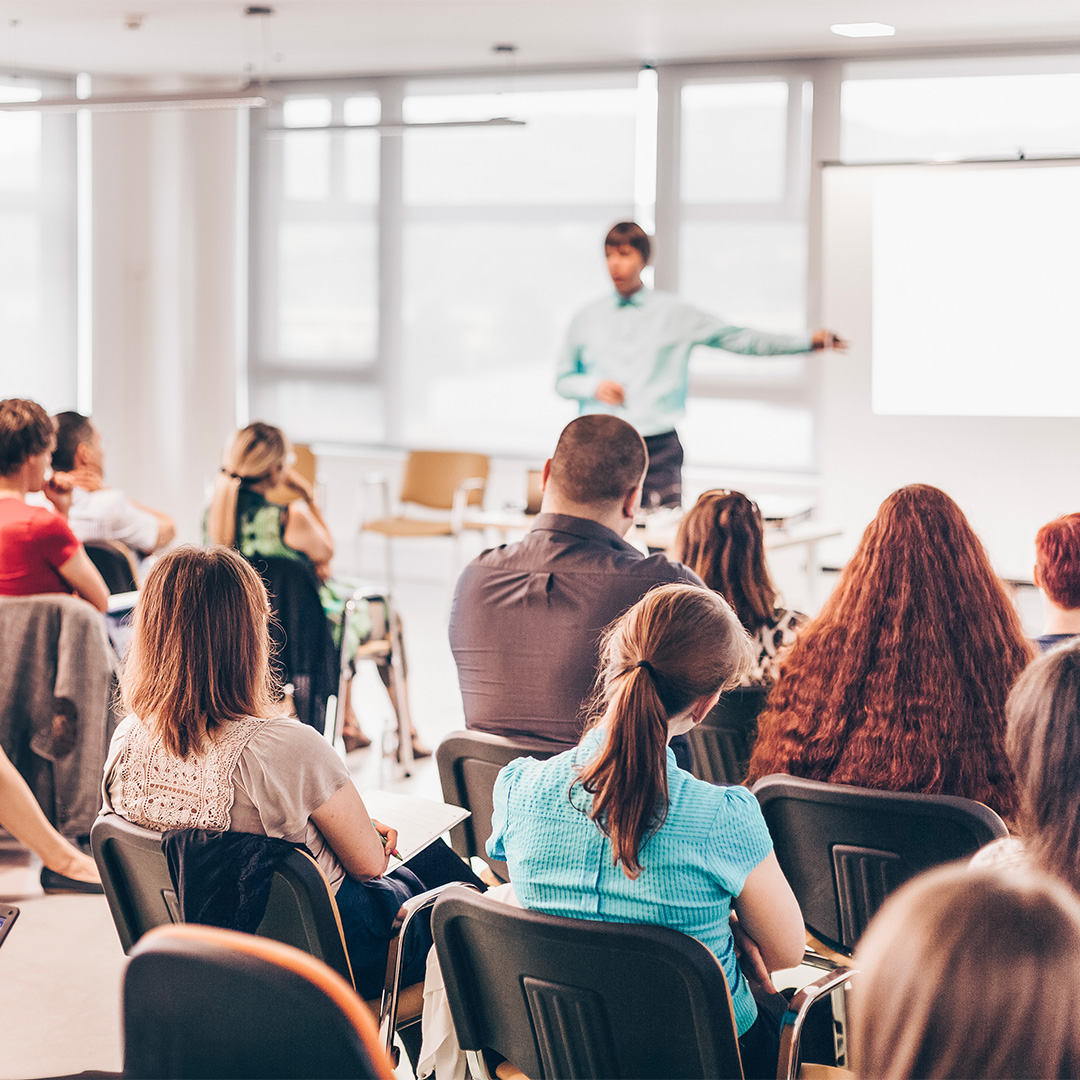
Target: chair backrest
x: 114, y: 563
x: 568, y: 998
x: 432, y: 476
x: 723, y: 741
x: 205, y: 1002
x: 844, y: 849
x: 306, y: 464
x: 469, y: 762
x: 301, y: 910
x: 303, y: 643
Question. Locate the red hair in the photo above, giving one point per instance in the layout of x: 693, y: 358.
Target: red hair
x: 900, y: 683
x: 1057, y: 560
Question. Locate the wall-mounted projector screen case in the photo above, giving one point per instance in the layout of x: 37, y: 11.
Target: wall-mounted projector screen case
x: 976, y: 290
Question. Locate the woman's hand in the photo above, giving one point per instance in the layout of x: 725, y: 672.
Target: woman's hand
x: 389, y: 841
x: 750, y: 958
x: 57, y: 489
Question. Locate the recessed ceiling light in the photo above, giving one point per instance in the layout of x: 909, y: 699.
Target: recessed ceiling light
x: 863, y: 29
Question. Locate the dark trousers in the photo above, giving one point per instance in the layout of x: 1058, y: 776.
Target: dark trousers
x: 368, y: 909
x: 663, y: 481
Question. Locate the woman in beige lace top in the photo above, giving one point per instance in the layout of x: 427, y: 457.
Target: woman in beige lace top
x: 206, y: 746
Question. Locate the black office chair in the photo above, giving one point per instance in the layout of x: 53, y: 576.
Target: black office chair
x: 723, y: 741
x: 115, y: 562
x: 845, y: 849
x: 204, y: 1002
x: 469, y: 762
x: 575, y: 999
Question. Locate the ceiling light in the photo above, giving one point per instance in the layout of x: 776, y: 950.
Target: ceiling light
x: 863, y: 29
x: 250, y: 98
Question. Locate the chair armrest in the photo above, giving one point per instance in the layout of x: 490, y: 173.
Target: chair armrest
x: 792, y: 1024
x: 461, y: 501
x: 395, y: 959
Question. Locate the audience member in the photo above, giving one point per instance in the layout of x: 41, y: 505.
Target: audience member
x: 99, y: 512
x: 722, y: 541
x: 1057, y: 573
x: 1043, y: 714
x: 966, y: 975
x: 614, y: 830
x: 204, y: 747
x: 38, y: 551
x: 66, y: 868
x: 527, y: 617
x: 901, y: 680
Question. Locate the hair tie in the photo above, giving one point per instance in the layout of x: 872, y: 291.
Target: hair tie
x: 232, y: 475
x: 647, y: 666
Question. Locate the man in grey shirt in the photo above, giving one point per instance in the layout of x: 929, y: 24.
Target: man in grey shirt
x: 527, y: 617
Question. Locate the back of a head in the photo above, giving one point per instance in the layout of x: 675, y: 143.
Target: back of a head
x: 901, y: 680
x: 678, y: 644
x: 72, y: 430
x: 597, y: 461
x: 720, y: 538
x: 25, y: 430
x: 968, y: 974
x: 253, y: 455
x: 200, y: 653
x: 1043, y: 744
x: 1057, y: 560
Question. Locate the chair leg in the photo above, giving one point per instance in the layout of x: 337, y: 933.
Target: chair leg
x: 399, y: 695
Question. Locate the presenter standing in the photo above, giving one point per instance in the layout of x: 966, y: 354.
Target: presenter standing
x: 629, y: 355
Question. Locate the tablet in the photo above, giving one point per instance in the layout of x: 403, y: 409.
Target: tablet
x: 8, y: 915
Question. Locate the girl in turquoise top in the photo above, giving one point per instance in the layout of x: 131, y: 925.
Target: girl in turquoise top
x: 614, y: 830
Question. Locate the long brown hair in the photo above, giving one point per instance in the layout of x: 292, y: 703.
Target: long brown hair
x: 200, y: 653
x: 254, y: 454
x: 676, y: 645
x: 721, y: 540
x: 969, y: 974
x: 1043, y: 744
x: 900, y: 682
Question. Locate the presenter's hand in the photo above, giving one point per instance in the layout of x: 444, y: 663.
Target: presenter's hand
x: 609, y: 392
x: 826, y: 339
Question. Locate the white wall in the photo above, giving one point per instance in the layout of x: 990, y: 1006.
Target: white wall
x: 164, y: 287
x: 1009, y: 474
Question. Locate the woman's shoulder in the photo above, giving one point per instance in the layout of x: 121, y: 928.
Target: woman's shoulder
x: 689, y: 795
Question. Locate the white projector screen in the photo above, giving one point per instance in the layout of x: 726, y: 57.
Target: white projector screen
x: 976, y: 291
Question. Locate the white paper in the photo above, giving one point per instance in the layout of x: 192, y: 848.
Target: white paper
x: 418, y: 821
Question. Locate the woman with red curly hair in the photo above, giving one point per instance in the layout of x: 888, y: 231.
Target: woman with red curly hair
x: 900, y: 683
x: 1057, y: 573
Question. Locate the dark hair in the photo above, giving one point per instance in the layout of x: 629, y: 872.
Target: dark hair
x: 629, y: 232
x: 72, y: 430
x: 598, y: 459
x: 675, y: 645
x: 969, y: 973
x: 25, y: 430
x: 1043, y: 744
x: 200, y: 654
x: 721, y: 540
x: 1057, y: 560
x: 901, y: 680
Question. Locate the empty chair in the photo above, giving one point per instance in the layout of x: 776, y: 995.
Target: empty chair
x: 444, y: 481
x: 723, y: 741
x: 469, y: 762
x: 204, y: 1002
x: 844, y: 849
x: 569, y: 998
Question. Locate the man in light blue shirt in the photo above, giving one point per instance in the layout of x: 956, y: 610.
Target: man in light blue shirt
x: 629, y: 355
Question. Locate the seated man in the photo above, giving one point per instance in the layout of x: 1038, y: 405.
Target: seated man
x: 99, y: 512
x: 1057, y: 573
x: 527, y: 617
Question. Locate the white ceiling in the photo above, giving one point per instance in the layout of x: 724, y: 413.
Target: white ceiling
x: 213, y: 37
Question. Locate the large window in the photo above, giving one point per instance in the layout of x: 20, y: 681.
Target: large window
x: 37, y: 254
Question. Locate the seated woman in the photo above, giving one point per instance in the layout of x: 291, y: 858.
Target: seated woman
x: 969, y: 975
x: 1057, y: 574
x: 901, y: 680
x: 721, y: 540
x: 205, y: 747
x: 242, y: 516
x: 38, y: 551
x: 614, y: 830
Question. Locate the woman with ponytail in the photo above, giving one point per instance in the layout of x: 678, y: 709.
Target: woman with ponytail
x: 614, y: 831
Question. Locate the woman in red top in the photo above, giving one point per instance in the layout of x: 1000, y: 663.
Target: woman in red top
x: 38, y: 551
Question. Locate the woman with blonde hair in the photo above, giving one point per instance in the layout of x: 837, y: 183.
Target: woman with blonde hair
x: 205, y: 747
x: 614, y: 830
x: 964, y: 975
x: 721, y: 538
